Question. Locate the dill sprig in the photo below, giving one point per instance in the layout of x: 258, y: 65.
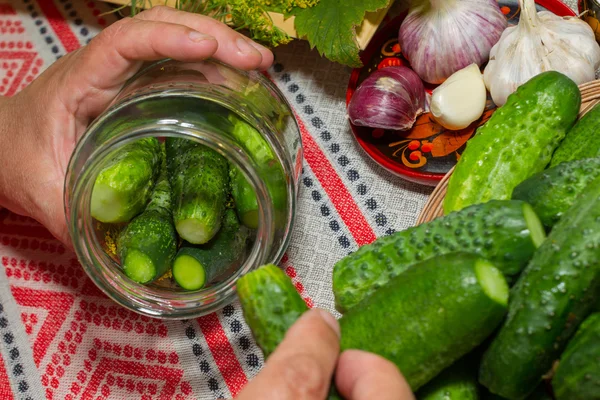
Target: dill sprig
x: 249, y: 15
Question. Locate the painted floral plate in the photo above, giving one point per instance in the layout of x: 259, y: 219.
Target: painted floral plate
x: 425, y: 153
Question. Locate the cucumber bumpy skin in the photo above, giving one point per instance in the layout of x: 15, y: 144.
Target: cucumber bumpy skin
x: 123, y: 187
x: 148, y: 244
x: 428, y: 317
x: 271, y: 304
x: 200, y: 182
x: 556, y: 291
x: 516, y: 142
x: 578, y: 374
x: 505, y: 231
x: 581, y: 141
x: 553, y: 191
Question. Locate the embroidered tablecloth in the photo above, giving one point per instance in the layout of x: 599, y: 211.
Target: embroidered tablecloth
x: 61, y: 338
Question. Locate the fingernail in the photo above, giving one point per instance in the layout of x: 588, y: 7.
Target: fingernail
x: 330, y: 320
x: 245, y: 47
x: 196, y: 36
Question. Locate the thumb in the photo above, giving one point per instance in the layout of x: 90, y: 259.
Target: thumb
x: 302, y: 365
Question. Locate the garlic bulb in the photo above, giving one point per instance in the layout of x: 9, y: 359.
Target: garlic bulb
x: 460, y: 100
x: 540, y: 42
x: 440, y: 37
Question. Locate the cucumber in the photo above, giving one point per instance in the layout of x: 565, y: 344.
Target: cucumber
x: 269, y: 170
x: 428, y: 317
x: 507, y: 232
x: 123, y: 187
x: 200, y: 182
x: 555, y: 292
x: 581, y: 141
x: 516, y: 142
x: 554, y: 190
x: 422, y: 320
x: 271, y: 304
x: 246, y: 203
x: 196, y: 265
x: 147, y: 245
x: 457, y: 382
x: 578, y: 374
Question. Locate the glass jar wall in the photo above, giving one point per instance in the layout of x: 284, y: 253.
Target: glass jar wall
x: 224, y: 148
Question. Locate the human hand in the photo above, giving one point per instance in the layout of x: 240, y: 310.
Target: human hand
x: 303, y: 364
x: 40, y: 126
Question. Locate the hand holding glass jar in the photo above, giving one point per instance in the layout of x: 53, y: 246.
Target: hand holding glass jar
x: 41, y: 125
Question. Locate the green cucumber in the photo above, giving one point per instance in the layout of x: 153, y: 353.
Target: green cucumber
x: 271, y: 304
x: 556, y: 291
x: 553, y: 191
x: 505, y: 231
x: 148, y: 244
x: 428, y: 317
x: 457, y: 382
x: 581, y: 141
x: 423, y: 320
x: 246, y: 203
x: 268, y: 168
x: 196, y: 265
x: 578, y: 374
x: 516, y: 142
x: 200, y: 182
x: 124, y: 185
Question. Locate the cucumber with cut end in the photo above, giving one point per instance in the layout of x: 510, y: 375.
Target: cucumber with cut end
x: 199, y: 178
x: 581, y: 141
x: 507, y: 232
x: 457, y: 306
x: 124, y: 185
x: 457, y: 382
x: 578, y: 374
x: 516, y: 142
x: 556, y: 291
x: 553, y: 191
x: 271, y: 305
x: 196, y: 265
x: 148, y: 244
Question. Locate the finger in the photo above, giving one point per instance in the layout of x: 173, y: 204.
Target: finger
x: 234, y: 48
x: 364, y: 376
x: 302, y: 365
x: 133, y: 39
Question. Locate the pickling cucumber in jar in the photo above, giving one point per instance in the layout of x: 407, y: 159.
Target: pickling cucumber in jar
x: 200, y: 183
x: 124, y: 185
x: 147, y: 245
x: 269, y: 171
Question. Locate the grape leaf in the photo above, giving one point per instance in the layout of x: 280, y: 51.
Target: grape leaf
x: 330, y: 26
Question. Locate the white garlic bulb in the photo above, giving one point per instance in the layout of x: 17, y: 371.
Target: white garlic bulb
x: 542, y: 41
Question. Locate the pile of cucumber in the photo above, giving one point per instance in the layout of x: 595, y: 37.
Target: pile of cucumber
x: 495, y: 299
x: 177, y: 206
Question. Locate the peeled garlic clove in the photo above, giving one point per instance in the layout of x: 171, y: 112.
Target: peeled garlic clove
x: 460, y: 100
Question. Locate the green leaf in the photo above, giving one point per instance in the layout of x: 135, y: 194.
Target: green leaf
x: 330, y: 26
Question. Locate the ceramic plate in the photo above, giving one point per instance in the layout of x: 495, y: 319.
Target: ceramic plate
x: 427, y: 152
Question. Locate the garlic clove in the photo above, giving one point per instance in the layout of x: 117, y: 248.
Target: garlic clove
x: 460, y: 100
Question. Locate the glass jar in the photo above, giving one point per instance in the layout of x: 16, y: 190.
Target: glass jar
x: 201, y: 102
